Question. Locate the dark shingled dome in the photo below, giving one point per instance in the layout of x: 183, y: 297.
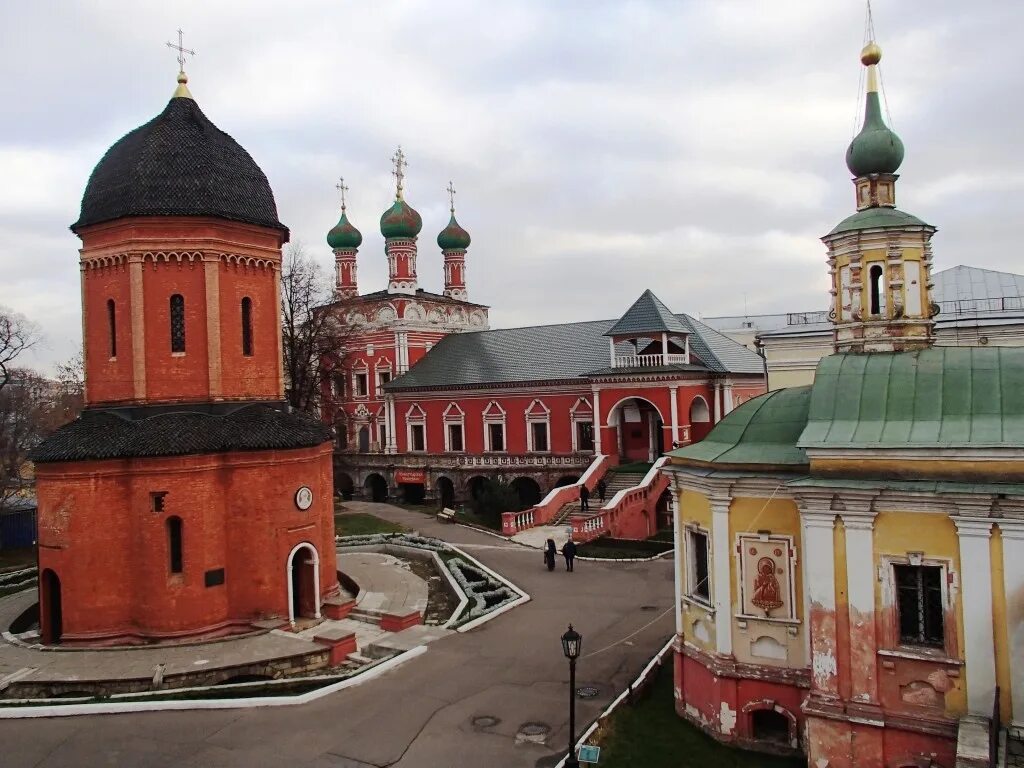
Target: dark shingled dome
x: 178, y: 164
x: 114, y: 434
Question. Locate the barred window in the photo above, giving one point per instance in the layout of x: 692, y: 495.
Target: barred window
x: 177, y: 323
x: 919, y: 602
x: 247, y: 326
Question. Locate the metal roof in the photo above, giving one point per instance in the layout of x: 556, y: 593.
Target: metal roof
x: 761, y: 431
x: 647, y: 315
x: 950, y: 397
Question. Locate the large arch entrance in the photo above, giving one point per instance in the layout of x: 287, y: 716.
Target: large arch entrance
x: 303, y: 582
x: 343, y: 485
x: 528, y: 491
x: 639, y: 429
x: 51, y: 614
x: 445, y: 492
x: 376, y: 487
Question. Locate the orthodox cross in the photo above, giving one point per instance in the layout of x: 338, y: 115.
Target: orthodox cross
x: 340, y: 186
x: 451, y: 197
x: 399, y: 173
x: 182, y: 50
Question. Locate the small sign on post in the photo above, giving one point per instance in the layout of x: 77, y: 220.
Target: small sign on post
x: 589, y: 754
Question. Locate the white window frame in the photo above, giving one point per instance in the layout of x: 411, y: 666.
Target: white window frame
x: 415, y: 416
x: 454, y: 416
x: 691, y: 565
x: 382, y: 365
x: 531, y: 420
x: 578, y: 416
x: 489, y: 418
x: 360, y: 370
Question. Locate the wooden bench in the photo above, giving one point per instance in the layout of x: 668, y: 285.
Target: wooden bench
x: 446, y: 515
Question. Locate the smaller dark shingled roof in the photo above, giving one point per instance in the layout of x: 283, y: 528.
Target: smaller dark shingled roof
x: 647, y: 315
x: 178, y: 164
x: 123, y: 434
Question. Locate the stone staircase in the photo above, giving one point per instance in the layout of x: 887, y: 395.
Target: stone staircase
x: 615, y: 482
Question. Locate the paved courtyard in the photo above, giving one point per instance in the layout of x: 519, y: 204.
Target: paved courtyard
x: 420, y: 714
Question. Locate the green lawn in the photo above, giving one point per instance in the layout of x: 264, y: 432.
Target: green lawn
x: 362, y: 524
x: 651, y: 735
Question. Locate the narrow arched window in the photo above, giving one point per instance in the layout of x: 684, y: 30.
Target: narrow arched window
x: 112, y: 325
x: 177, y: 323
x: 174, y: 543
x: 876, y: 289
x: 247, y: 326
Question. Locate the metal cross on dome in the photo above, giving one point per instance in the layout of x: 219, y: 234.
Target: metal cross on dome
x: 451, y: 197
x: 399, y: 173
x: 340, y: 186
x: 182, y: 50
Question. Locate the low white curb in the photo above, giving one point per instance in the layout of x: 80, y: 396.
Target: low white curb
x: 626, y: 559
x: 106, y: 708
x: 494, y: 574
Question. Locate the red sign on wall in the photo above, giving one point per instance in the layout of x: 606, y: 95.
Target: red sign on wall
x: 411, y: 476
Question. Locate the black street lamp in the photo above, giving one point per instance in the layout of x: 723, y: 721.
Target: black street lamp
x: 572, y: 641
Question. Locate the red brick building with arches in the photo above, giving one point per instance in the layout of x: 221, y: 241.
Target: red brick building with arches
x: 186, y: 501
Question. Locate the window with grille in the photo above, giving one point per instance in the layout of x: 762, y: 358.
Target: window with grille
x: 919, y: 603
x: 700, y: 578
x: 247, y: 326
x: 112, y: 323
x: 177, y: 323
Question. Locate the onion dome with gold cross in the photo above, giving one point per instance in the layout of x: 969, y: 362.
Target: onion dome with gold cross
x: 453, y: 237
x: 401, y: 219
x: 344, y: 235
x: 877, y: 148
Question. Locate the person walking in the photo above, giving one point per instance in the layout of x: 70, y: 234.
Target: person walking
x: 601, y: 488
x: 549, y: 554
x: 584, y: 499
x: 569, y: 553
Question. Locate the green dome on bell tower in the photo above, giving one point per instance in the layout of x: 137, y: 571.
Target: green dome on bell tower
x: 877, y: 148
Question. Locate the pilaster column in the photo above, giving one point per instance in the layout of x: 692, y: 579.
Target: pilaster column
x: 718, y: 401
x: 721, y: 552
x: 85, y: 334
x: 211, y: 273
x: 389, y: 424
x: 277, y: 336
x: 820, y: 583
x: 1013, y: 579
x: 727, y: 397
x: 674, y: 396
x: 597, y: 420
x: 677, y: 537
x: 138, y: 326
x: 976, y: 591
x: 860, y: 585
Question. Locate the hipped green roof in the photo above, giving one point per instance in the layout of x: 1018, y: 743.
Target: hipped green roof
x: 944, y: 397
x: 873, y: 218
x: 763, y: 430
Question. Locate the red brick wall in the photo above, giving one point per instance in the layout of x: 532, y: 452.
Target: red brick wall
x: 253, y: 377
x: 110, y: 380
x: 99, y: 533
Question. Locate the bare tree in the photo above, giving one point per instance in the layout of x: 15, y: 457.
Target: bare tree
x: 25, y: 418
x: 311, y: 333
x: 17, y: 334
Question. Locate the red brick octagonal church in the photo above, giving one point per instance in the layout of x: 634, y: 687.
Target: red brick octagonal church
x: 186, y: 501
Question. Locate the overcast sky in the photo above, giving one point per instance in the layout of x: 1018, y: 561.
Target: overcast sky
x: 598, y: 148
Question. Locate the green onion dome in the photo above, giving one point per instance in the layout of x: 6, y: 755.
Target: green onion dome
x: 876, y: 149
x: 453, y: 237
x: 344, y: 235
x: 400, y: 220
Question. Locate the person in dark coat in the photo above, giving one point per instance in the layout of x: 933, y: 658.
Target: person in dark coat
x: 549, y: 554
x: 569, y: 553
x: 584, y: 499
x: 601, y: 488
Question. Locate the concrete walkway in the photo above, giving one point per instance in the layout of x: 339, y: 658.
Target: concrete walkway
x: 538, y: 536
x: 386, y: 584
x: 420, y: 715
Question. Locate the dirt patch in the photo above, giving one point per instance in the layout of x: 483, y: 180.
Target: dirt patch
x: 441, y: 603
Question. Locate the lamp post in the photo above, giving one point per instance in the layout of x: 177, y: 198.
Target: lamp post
x: 572, y: 641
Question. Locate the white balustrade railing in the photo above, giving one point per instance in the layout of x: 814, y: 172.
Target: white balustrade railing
x: 648, y: 361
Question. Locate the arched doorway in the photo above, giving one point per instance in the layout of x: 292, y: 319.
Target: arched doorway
x: 445, y: 492
x: 476, y: 487
x: 412, y: 493
x: 638, y: 424
x: 364, y: 439
x: 343, y: 485
x: 376, y: 488
x: 303, y: 582
x: 700, y: 419
x: 567, y: 480
x: 528, y: 491
x: 770, y: 725
x: 51, y: 613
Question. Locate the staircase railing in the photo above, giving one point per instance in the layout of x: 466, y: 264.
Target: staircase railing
x: 549, y: 507
x: 623, y: 516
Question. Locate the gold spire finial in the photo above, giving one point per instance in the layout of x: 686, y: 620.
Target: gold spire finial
x: 182, y: 89
x: 399, y: 173
x: 869, y: 57
x: 451, y: 197
x: 340, y: 186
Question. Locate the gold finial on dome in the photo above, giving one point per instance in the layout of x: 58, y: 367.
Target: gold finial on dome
x: 871, y: 54
x: 182, y: 90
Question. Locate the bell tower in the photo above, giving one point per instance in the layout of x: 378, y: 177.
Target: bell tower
x: 453, y: 241
x: 880, y: 258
